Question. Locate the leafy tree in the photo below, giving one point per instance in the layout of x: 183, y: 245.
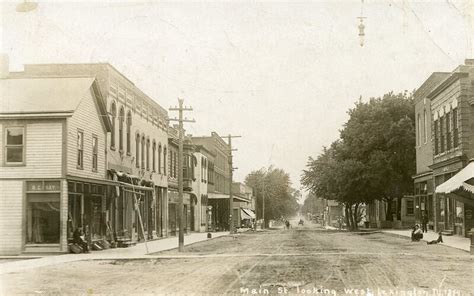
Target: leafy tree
x: 373, y: 159
x: 274, y: 185
x: 381, y: 134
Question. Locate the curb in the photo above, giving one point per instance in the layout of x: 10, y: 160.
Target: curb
x: 406, y: 237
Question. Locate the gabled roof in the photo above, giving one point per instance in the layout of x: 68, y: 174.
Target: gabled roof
x: 47, y: 96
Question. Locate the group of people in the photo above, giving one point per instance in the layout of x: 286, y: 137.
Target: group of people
x: 417, y: 235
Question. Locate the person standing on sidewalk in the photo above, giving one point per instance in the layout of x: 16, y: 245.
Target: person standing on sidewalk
x: 424, y: 222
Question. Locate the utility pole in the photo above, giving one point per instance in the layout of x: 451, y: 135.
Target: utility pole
x: 180, y: 120
x: 263, y: 201
x: 231, y: 170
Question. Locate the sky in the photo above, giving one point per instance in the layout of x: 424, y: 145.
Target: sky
x: 280, y: 74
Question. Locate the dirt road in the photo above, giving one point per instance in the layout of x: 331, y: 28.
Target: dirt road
x: 299, y: 261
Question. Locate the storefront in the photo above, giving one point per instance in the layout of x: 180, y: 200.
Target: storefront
x: 43, y: 215
x: 173, y: 206
x: 455, y: 201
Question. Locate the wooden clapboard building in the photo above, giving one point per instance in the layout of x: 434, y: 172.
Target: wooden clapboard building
x: 136, y: 151
x: 53, y: 134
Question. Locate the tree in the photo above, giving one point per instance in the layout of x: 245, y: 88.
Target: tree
x: 343, y: 180
x: 381, y: 134
x: 373, y: 159
x: 274, y: 185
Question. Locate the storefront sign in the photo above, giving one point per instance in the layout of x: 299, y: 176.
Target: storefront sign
x: 39, y: 186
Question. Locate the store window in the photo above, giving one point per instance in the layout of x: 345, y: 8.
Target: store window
x: 43, y: 212
x: 459, y: 212
x: 14, y: 145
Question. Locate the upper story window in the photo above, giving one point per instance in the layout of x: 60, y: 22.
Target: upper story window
x: 441, y: 134
x: 121, y: 121
x: 154, y: 157
x: 80, y: 149
x: 164, y: 160
x: 425, y: 126
x: 137, y: 151
x: 436, y: 137
x: 95, y: 152
x: 448, y: 131
x: 159, y: 158
x: 147, y: 154
x: 113, y: 113
x: 129, y: 127
x: 143, y: 153
x: 15, y: 145
x: 455, y: 128
x: 419, y: 129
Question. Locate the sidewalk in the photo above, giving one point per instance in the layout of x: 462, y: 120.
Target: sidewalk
x: 454, y: 241
x: 138, y: 251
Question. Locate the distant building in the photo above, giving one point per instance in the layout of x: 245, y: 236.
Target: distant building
x: 244, y: 205
x: 219, y: 184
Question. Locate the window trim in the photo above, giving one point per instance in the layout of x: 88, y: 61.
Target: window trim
x: 113, y: 113
x: 95, y: 153
x: 81, y: 166
x: 5, y: 146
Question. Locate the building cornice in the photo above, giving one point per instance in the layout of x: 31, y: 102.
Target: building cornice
x: 446, y: 83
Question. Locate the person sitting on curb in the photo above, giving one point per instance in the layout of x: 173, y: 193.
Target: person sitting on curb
x: 416, y: 234
x: 437, y: 241
x: 79, y: 239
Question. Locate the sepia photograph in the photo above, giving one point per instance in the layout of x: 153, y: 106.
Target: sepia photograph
x: 237, y: 147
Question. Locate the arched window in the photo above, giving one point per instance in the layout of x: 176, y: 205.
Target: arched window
x: 113, y: 113
x: 164, y: 160
x: 137, y: 151
x: 159, y: 158
x: 129, y: 127
x: 121, y: 120
x: 143, y: 153
x: 154, y: 157
x: 147, y: 154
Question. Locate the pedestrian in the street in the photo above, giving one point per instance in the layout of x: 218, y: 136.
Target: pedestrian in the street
x: 287, y: 223
x: 424, y: 222
x: 416, y: 234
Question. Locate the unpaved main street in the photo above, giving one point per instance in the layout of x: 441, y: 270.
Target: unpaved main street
x: 303, y: 260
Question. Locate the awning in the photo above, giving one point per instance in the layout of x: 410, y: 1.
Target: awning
x: 215, y: 195
x: 250, y: 213
x: 458, y: 181
x: 244, y: 215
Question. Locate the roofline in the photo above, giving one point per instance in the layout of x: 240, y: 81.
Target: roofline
x: 446, y: 83
x: 34, y: 115
x: 415, y: 94
x: 102, y: 107
x: 106, y: 64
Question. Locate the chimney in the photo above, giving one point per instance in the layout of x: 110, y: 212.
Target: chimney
x: 4, y: 66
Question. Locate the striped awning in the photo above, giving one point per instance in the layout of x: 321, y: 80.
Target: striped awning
x: 461, y: 181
